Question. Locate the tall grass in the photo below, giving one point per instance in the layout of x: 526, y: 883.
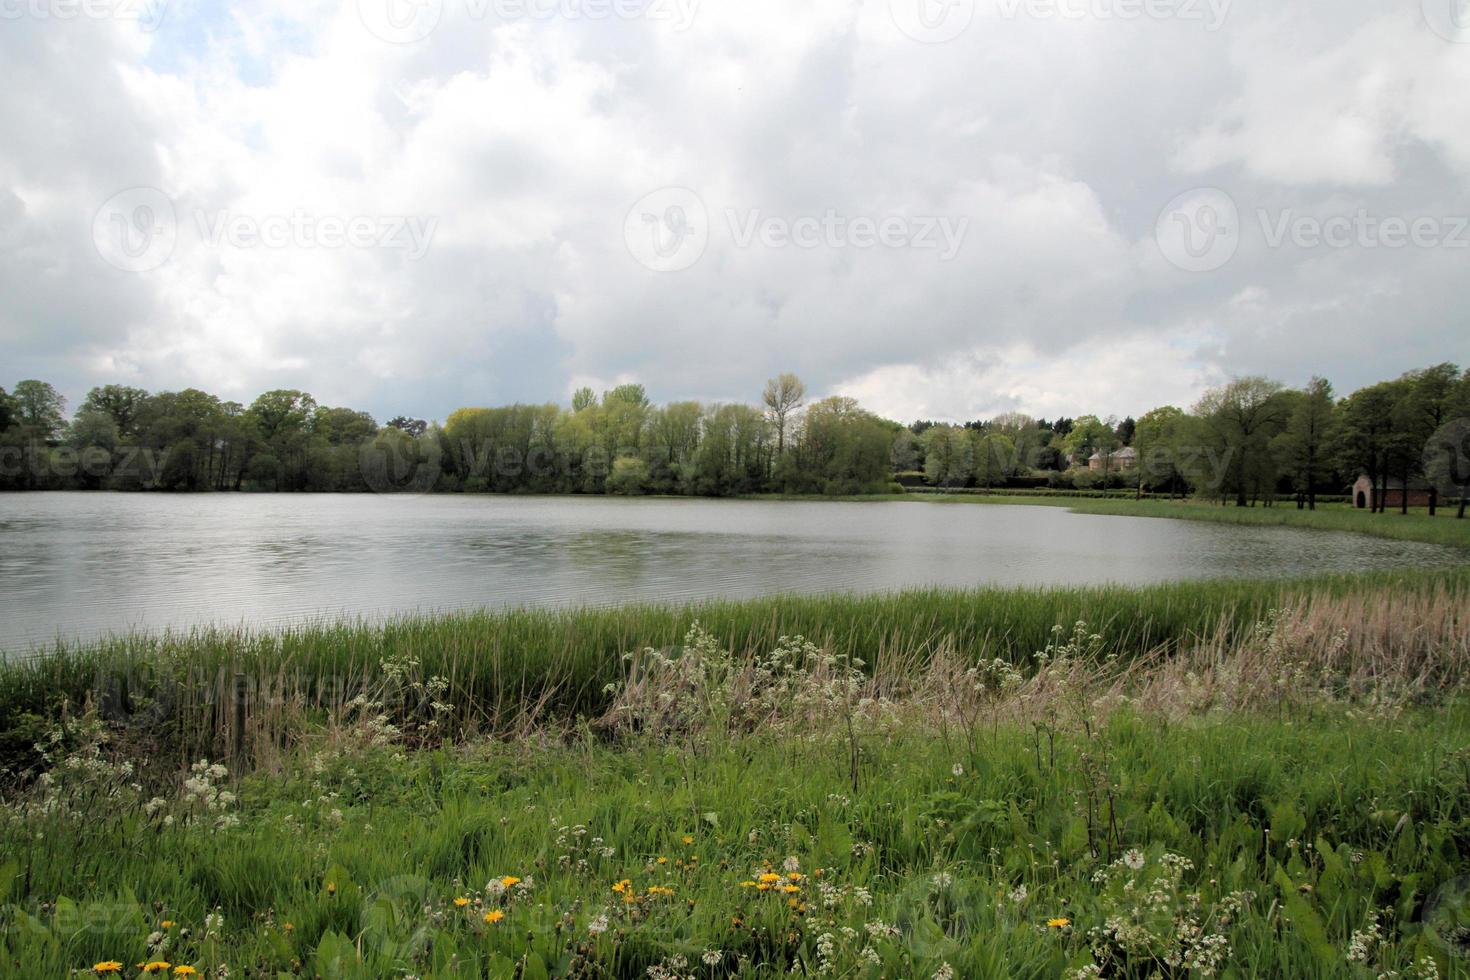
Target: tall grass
x: 1417, y: 525
x: 503, y: 666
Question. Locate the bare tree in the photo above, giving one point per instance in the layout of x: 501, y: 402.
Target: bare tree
x: 784, y: 395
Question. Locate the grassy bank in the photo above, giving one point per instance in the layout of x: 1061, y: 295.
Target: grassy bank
x: 1417, y: 525
x: 505, y: 668
x: 788, y: 816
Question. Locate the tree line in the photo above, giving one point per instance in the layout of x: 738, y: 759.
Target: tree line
x: 1251, y: 441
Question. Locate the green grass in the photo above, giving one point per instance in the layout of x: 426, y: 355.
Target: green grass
x: 347, y: 863
x: 500, y: 662
x: 1442, y: 529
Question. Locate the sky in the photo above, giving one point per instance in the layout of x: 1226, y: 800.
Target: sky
x: 946, y: 209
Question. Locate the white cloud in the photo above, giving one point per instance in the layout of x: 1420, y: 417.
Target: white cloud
x: 526, y: 142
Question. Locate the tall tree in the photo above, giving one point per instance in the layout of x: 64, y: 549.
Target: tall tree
x: 41, y: 409
x: 1243, y: 417
x: 1302, y: 448
x: 784, y: 394
x: 121, y: 403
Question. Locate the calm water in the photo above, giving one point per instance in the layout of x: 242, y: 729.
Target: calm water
x: 81, y: 565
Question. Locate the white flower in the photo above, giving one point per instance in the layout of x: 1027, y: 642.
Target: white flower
x: 958, y: 770
x: 712, y: 957
x: 1133, y: 859
x: 597, y: 926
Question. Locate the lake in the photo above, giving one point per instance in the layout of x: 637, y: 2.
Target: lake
x: 82, y: 565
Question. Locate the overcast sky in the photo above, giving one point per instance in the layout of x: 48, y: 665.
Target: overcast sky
x: 945, y: 208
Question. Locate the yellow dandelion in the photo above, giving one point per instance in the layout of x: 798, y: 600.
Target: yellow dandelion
x: 791, y: 889
x: 461, y: 902
x: 1058, y: 923
x: 107, y: 966
x: 331, y: 888
x: 157, y: 966
x: 167, y: 923
x: 287, y: 926
x: 509, y: 881
x: 747, y: 884
x: 494, y: 916
x: 687, y: 839
x: 769, y: 878
x: 792, y: 902
x: 185, y: 970
x: 622, y: 886
x: 663, y: 860
x: 762, y: 887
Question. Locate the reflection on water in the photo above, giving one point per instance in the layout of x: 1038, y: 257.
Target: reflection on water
x: 79, y: 565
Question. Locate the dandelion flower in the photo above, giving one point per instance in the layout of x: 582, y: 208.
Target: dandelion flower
x: 509, y: 881
x: 107, y: 966
x: 461, y: 902
x: 166, y: 924
x: 494, y: 916
x: 769, y: 878
x: 687, y: 839
x: 157, y: 966
x: 663, y: 860
x: 1058, y: 923
x: 185, y: 970
x: 331, y: 888
x: 622, y: 887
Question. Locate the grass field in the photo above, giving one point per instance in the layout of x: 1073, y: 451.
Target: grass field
x: 1220, y: 778
x: 1417, y: 525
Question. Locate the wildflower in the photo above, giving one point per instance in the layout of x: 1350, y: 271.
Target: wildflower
x: 287, y: 926
x: 663, y: 860
x: 167, y: 924
x: 712, y: 957
x: 157, y: 966
x: 1133, y: 859
x: 331, y: 888
x: 769, y: 878
x: 494, y: 916
x: 1060, y: 923
x: 958, y: 770
x: 659, y: 890
x: 945, y: 972
x: 687, y: 839
x: 791, y: 864
x: 622, y: 887
x: 597, y: 926
x: 509, y: 881
x: 461, y: 902
x: 185, y: 970
x: 790, y: 889
x: 107, y: 966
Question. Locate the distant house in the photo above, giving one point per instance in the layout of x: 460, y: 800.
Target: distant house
x: 1365, y: 494
x: 1122, y: 459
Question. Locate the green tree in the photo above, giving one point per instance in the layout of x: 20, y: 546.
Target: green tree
x: 1364, y: 439
x: 119, y: 402
x: 40, y: 409
x: 629, y: 476
x: 1302, y: 448
x: 784, y: 394
x: 1163, y: 438
x: 1241, y: 418
x: 995, y: 459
